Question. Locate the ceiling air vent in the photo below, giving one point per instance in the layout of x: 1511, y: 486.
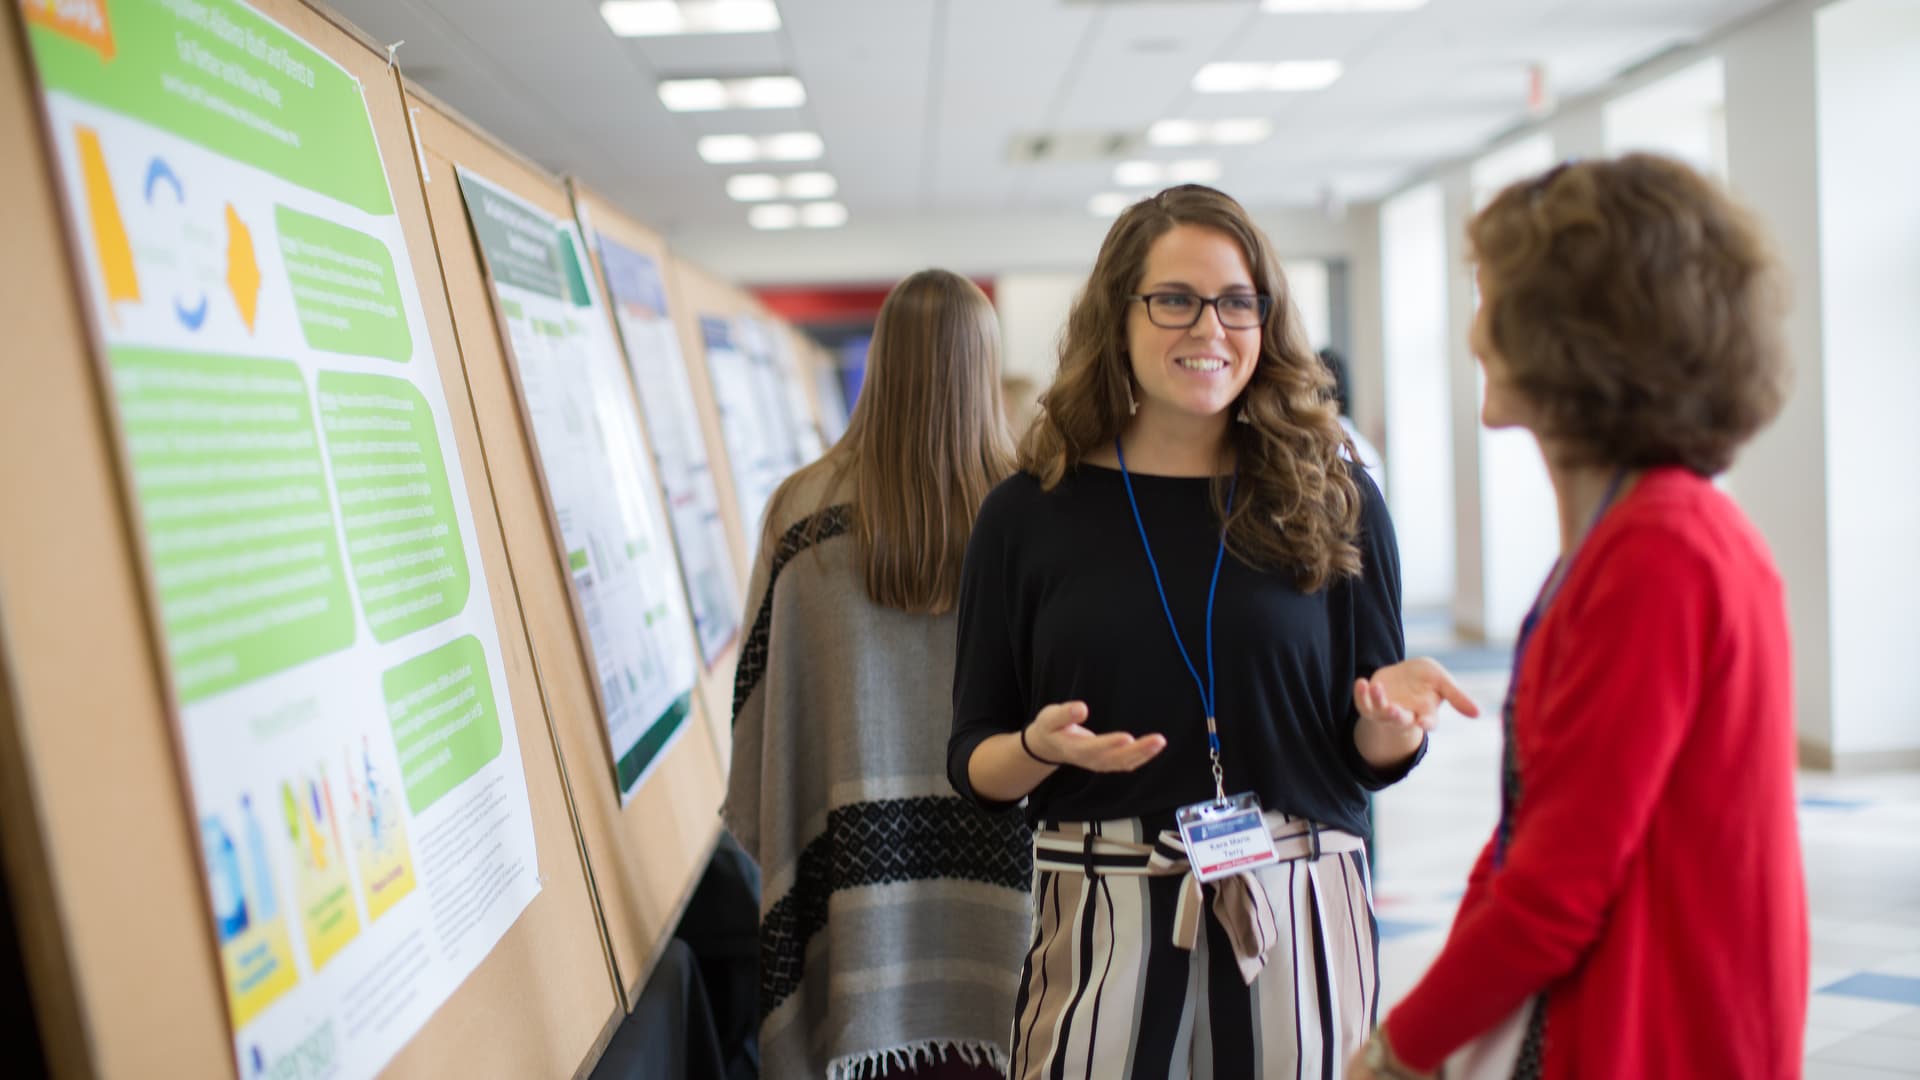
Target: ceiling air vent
x: 1064, y: 147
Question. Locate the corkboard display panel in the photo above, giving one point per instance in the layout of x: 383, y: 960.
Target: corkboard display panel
x: 100, y: 847
x: 644, y: 858
x: 716, y: 679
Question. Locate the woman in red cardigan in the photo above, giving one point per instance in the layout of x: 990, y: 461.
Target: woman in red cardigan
x: 1640, y: 910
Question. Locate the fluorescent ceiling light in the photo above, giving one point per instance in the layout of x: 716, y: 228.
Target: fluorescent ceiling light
x: 731, y: 16
x: 753, y: 187
x: 1155, y: 173
x: 1109, y: 203
x: 1304, y: 74
x: 792, y: 146
x: 773, y: 216
x: 823, y: 215
x: 1175, y: 133
x: 1296, y: 7
x: 643, y: 18
x: 708, y: 95
x: 1241, y: 132
x: 1193, y: 172
x: 811, y: 185
x: 693, y: 95
x: 728, y: 149
x: 1241, y: 78
x: 763, y: 187
x: 741, y: 149
x: 658, y: 18
x: 768, y: 92
x: 1236, y: 132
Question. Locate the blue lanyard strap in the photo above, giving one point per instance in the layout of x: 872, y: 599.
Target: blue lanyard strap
x: 1207, y: 688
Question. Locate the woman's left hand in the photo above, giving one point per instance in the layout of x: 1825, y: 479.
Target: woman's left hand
x: 1399, y: 705
x: 1409, y: 694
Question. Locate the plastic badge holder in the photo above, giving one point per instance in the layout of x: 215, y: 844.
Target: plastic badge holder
x: 1225, y: 837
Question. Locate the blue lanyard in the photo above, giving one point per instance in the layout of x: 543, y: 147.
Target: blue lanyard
x: 1206, y: 688
x: 1509, y: 755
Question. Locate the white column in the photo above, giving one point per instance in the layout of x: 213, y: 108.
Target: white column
x: 1868, y: 57
x: 1463, y: 400
x: 1033, y: 309
x: 1367, y: 359
x: 1772, y: 165
x: 1420, y: 425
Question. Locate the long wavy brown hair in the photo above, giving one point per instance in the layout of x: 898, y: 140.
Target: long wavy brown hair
x: 926, y: 442
x: 1296, y: 508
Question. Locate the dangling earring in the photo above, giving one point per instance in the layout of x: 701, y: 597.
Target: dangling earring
x: 1133, y: 407
x: 1242, y: 416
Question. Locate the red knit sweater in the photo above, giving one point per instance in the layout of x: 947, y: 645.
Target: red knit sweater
x: 1653, y: 887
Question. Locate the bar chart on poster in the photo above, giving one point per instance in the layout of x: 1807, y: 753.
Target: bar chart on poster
x: 344, y: 720
x: 596, y: 471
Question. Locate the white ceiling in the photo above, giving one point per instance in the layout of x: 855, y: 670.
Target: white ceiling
x: 919, y: 100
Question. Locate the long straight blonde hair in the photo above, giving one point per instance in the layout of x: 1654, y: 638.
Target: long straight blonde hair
x: 927, y: 440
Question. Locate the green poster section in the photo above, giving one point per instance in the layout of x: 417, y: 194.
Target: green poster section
x: 219, y: 74
x: 226, y: 465
x: 397, y: 512
x: 636, y: 760
x: 443, y: 719
x: 345, y: 288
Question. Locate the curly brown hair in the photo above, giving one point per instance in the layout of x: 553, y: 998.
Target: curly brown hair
x: 1638, y: 308
x: 1298, y: 508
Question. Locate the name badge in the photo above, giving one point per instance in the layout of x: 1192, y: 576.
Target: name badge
x: 1225, y: 838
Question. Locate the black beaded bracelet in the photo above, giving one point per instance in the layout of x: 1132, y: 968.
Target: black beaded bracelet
x: 1034, y: 756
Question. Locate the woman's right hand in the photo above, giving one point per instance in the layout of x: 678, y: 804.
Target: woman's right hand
x: 1003, y: 770
x: 1060, y: 735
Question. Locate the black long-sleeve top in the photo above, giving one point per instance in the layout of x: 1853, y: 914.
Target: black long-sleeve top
x: 1057, y: 604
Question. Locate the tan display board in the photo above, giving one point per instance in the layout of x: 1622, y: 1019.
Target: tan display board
x: 102, y: 851
x: 716, y: 680
x: 645, y: 858
x: 97, y: 810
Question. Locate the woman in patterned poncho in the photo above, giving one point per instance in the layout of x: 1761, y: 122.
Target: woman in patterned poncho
x: 894, y: 914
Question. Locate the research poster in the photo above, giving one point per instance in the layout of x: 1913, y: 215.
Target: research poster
x: 639, y: 296
x: 756, y: 437
x: 771, y: 403
x: 345, y: 723
x: 786, y: 368
x: 596, y: 472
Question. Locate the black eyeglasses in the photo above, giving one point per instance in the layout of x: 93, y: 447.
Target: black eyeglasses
x: 1180, y: 311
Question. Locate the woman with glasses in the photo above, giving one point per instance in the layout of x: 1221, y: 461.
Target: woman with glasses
x: 1640, y: 909
x: 1180, y: 644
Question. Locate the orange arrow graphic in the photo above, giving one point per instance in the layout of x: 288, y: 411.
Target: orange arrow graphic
x: 109, y: 231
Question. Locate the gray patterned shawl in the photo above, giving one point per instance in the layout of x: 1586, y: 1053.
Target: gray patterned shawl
x: 894, y: 915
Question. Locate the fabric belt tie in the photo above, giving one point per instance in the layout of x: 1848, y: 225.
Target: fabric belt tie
x: 1240, y: 902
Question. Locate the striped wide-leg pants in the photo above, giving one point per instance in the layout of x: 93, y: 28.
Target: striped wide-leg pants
x: 1106, y: 992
